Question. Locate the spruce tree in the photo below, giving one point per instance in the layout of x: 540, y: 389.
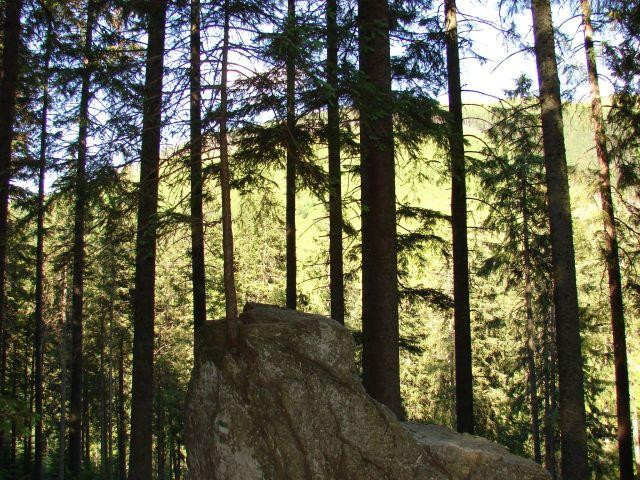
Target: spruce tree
x: 77, y: 295
x: 565, y: 295
x: 512, y: 183
x: 8, y: 86
x: 292, y: 147
x: 39, y: 294
x: 462, y: 309
x: 623, y: 410
x: 336, y: 269
x: 198, y: 277
x: 231, y: 304
x: 140, y: 457
x: 380, y: 354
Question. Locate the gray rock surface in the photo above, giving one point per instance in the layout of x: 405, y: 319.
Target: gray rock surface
x: 287, y: 403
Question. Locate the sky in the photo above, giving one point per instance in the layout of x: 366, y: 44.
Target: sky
x: 484, y: 82
x: 498, y: 74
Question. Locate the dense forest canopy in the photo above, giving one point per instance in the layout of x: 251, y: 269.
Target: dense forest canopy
x: 457, y: 184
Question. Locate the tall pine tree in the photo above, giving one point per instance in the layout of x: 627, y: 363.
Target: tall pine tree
x: 380, y: 354
x: 565, y: 294
x: 140, y: 457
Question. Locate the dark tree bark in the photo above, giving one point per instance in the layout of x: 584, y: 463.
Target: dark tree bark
x: 77, y: 291
x: 102, y: 381
x: 141, y: 453
x: 39, y: 328
x: 380, y: 354
x: 231, y: 304
x: 637, y: 442
x: 530, y: 325
x: 14, y: 392
x: 160, y: 436
x: 8, y: 83
x: 86, y: 428
x: 565, y: 295
x: 4, y: 459
x: 292, y: 156
x: 462, y: 315
x: 198, y: 278
x: 28, y: 398
x: 623, y: 409
x: 550, y: 403
x: 63, y: 371
x: 336, y: 280
x: 112, y: 299
x: 122, y: 429
x: 177, y: 465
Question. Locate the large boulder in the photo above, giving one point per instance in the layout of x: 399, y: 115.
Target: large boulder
x: 287, y: 403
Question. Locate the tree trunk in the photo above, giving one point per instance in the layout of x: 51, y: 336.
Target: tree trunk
x: 336, y: 280
x: 77, y: 295
x: 380, y: 354
x: 109, y: 420
x: 636, y: 442
x: 530, y: 326
x: 14, y: 393
x: 28, y: 398
x: 160, y: 439
x: 549, y: 403
x: 177, y: 468
x: 4, y: 459
x: 39, y: 328
x: 462, y: 315
x: 86, y: 428
x: 623, y: 409
x: 198, y: 278
x: 103, y: 399
x: 172, y: 456
x: 63, y: 370
x: 122, y: 432
x: 292, y: 156
x: 8, y: 81
x: 231, y: 303
x: 110, y: 423
x: 141, y: 454
x: 570, y: 363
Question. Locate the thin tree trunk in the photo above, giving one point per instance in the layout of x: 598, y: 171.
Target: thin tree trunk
x: 160, y: 439
x: 336, y: 280
x: 231, y: 303
x: 176, y: 466
x: 39, y: 328
x: 8, y: 83
x: 549, y: 413
x: 198, y: 278
x: 63, y: 371
x: 380, y: 353
x: 103, y: 399
x: 4, y: 459
x: 28, y: 398
x: 292, y: 156
x: 636, y: 442
x: 77, y: 295
x: 141, y: 454
x: 462, y: 315
x: 86, y: 428
x: 14, y: 393
x: 570, y: 362
x: 623, y: 409
x: 112, y: 299
x: 172, y: 456
x: 122, y: 432
x: 554, y: 397
x: 531, y: 344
